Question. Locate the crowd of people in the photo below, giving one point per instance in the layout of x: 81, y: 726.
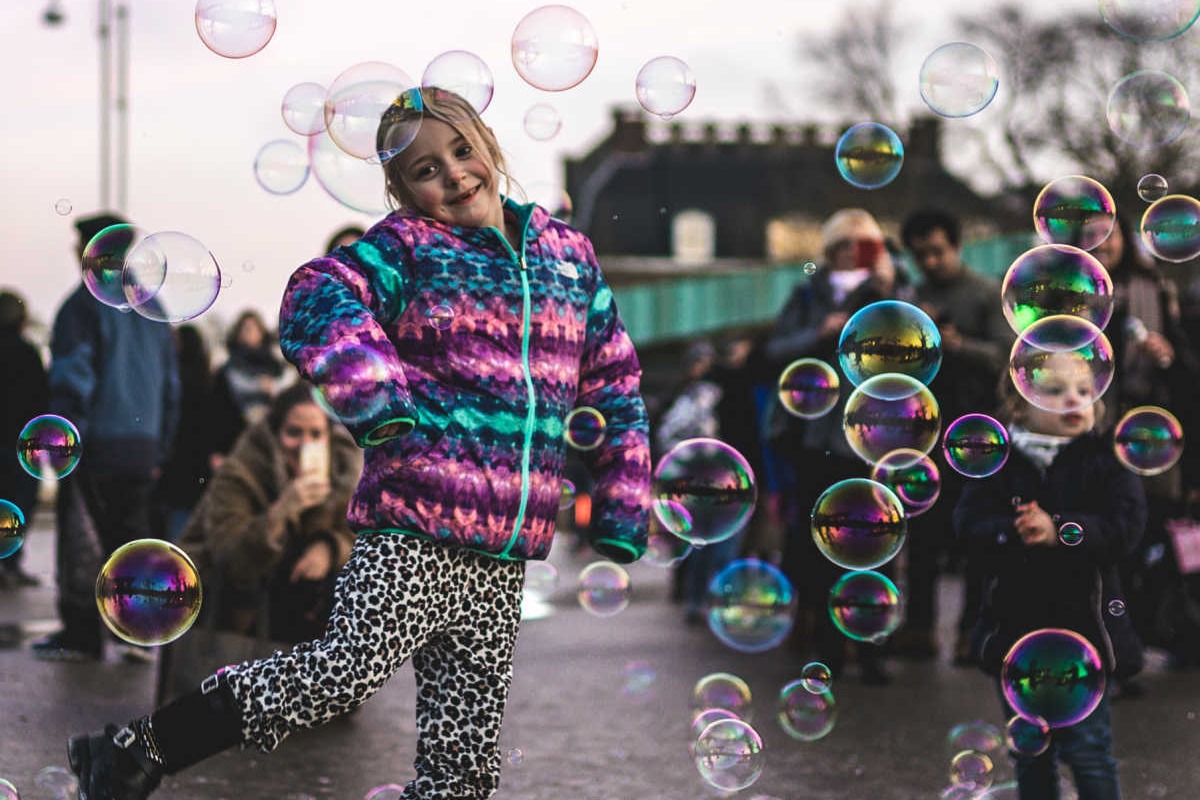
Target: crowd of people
x: 243, y: 466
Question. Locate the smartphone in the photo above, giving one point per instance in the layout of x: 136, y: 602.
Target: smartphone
x: 866, y: 252
x: 314, y: 458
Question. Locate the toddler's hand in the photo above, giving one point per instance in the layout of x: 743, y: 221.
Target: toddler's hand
x: 1034, y: 526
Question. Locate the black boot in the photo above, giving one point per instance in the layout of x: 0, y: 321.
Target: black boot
x: 128, y: 764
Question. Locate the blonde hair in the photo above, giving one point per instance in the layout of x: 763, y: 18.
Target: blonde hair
x: 442, y: 104
x: 846, y: 224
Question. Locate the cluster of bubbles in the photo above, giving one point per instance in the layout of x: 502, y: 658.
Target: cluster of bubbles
x: 166, y: 276
x: 974, y: 746
x: 912, y: 476
x: 727, y: 750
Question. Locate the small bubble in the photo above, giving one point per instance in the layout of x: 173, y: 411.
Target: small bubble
x: 810, y: 267
x: 515, y: 756
x: 63, y: 207
x: 247, y: 266
x: 1116, y: 607
x: 616, y: 217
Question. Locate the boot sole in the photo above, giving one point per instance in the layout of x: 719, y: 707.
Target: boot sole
x: 80, y: 760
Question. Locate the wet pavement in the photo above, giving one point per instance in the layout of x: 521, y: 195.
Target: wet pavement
x: 573, y: 728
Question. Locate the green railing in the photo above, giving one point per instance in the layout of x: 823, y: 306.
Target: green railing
x: 699, y: 304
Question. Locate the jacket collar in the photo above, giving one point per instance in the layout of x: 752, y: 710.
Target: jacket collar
x: 531, y: 219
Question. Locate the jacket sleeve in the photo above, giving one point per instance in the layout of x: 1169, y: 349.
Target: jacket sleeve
x: 73, y: 354
x: 796, y: 332
x: 984, y: 516
x: 331, y: 327
x: 609, y: 381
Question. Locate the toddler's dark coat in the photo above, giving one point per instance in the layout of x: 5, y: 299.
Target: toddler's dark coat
x: 1032, y: 587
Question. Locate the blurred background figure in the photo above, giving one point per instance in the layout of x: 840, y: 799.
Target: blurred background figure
x: 24, y: 394
x: 272, y: 524
x: 252, y: 374
x: 113, y: 374
x: 1156, y: 364
x: 856, y: 270
x: 976, y: 339
x: 344, y: 236
x: 186, y: 475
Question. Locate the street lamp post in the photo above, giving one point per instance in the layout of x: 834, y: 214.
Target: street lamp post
x: 110, y: 81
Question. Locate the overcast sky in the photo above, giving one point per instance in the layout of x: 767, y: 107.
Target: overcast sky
x: 197, y: 119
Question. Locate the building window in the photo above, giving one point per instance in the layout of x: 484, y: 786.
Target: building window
x: 693, y: 237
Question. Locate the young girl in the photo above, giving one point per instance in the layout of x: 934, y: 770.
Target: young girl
x: 1061, y: 470
x: 480, y: 323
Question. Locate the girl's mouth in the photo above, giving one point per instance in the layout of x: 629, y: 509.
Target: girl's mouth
x: 465, y: 198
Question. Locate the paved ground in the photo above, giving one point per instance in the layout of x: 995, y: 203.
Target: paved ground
x: 579, y: 735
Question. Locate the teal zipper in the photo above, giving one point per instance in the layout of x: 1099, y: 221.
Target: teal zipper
x: 531, y: 416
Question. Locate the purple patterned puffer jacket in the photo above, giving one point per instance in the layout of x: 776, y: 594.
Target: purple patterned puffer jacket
x: 480, y: 353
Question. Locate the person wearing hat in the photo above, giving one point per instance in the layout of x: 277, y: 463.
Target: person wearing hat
x: 856, y: 269
x: 113, y: 373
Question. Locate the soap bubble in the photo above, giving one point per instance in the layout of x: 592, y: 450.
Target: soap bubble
x: 12, y: 528
x: 541, y: 579
x: 148, y: 592
x: 355, y: 104
x: 303, y: 108
x: 554, y: 48
x: 463, y: 73
x: 889, y: 336
x: 49, y: 445
x: 1149, y: 20
x: 976, y: 445
x: 1061, y: 364
x: 1070, y: 533
x: 170, y: 277
x: 281, y: 166
x: 978, y: 735
x: 584, y: 428
x: 103, y: 262
x: 865, y: 606
x: 1027, y: 737
x: 8, y: 791
x: 869, y: 155
x: 542, y: 122
x: 958, y: 79
x: 913, y: 478
x: 1053, y: 674
x: 729, y: 755
x: 889, y: 412
x: 703, y: 491
x: 355, y: 183
x: 63, y: 206
x: 1056, y: 279
x: 1171, y: 228
x: 665, y: 86
x: 1152, y: 186
x: 1116, y: 607
x: 750, y: 605
x: 387, y: 791
x: 663, y: 548
x: 604, y: 589
x: 1148, y: 108
x: 722, y: 690
x: 808, y: 388
x: 235, y: 28
x: 816, y: 677
x: 60, y: 783
x: 353, y: 382
x: 858, y: 524
x: 973, y: 769
x: 1148, y: 440
x: 804, y: 715
x: 1075, y: 210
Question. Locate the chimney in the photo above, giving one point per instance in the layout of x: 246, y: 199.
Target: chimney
x: 924, y: 138
x: 629, y: 130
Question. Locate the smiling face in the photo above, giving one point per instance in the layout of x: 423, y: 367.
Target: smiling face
x: 449, y: 178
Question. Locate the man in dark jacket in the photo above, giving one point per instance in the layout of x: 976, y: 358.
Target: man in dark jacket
x: 113, y: 373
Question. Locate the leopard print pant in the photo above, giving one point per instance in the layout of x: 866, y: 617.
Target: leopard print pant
x: 455, y: 612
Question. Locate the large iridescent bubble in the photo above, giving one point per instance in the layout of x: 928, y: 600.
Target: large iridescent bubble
x: 869, y: 155
x: 354, y: 182
x: 858, y: 523
x: 1148, y: 108
x: 723, y: 690
x: 912, y: 476
x: 703, y: 491
x: 1171, y: 228
x: 958, y: 79
x: 103, y: 262
x: 1148, y: 440
x: 353, y: 382
x: 1054, y: 675
x: 148, y: 592
x: 1056, y: 279
x: 554, y: 48
x: 1061, y: 364
x: 463, y: 73
x: 49, y: 445
x: 808, y: 388
x: 889, y: 412
x: 865, y: 606
x: 976, y: 445
x: 356, y: 101
x: 729, y: 755
x: 805, y: 715
x: 889, y: 336
x: 171, y: 276
x: 1075, y: 210
x: 749, y: 605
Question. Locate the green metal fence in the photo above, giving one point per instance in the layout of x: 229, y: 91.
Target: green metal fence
x: 694, y: 305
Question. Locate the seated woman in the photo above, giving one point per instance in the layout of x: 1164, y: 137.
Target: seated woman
x: 273, y: 520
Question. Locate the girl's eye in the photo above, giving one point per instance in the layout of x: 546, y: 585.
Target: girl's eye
x: 426, y: 171
x: 465, y: 151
